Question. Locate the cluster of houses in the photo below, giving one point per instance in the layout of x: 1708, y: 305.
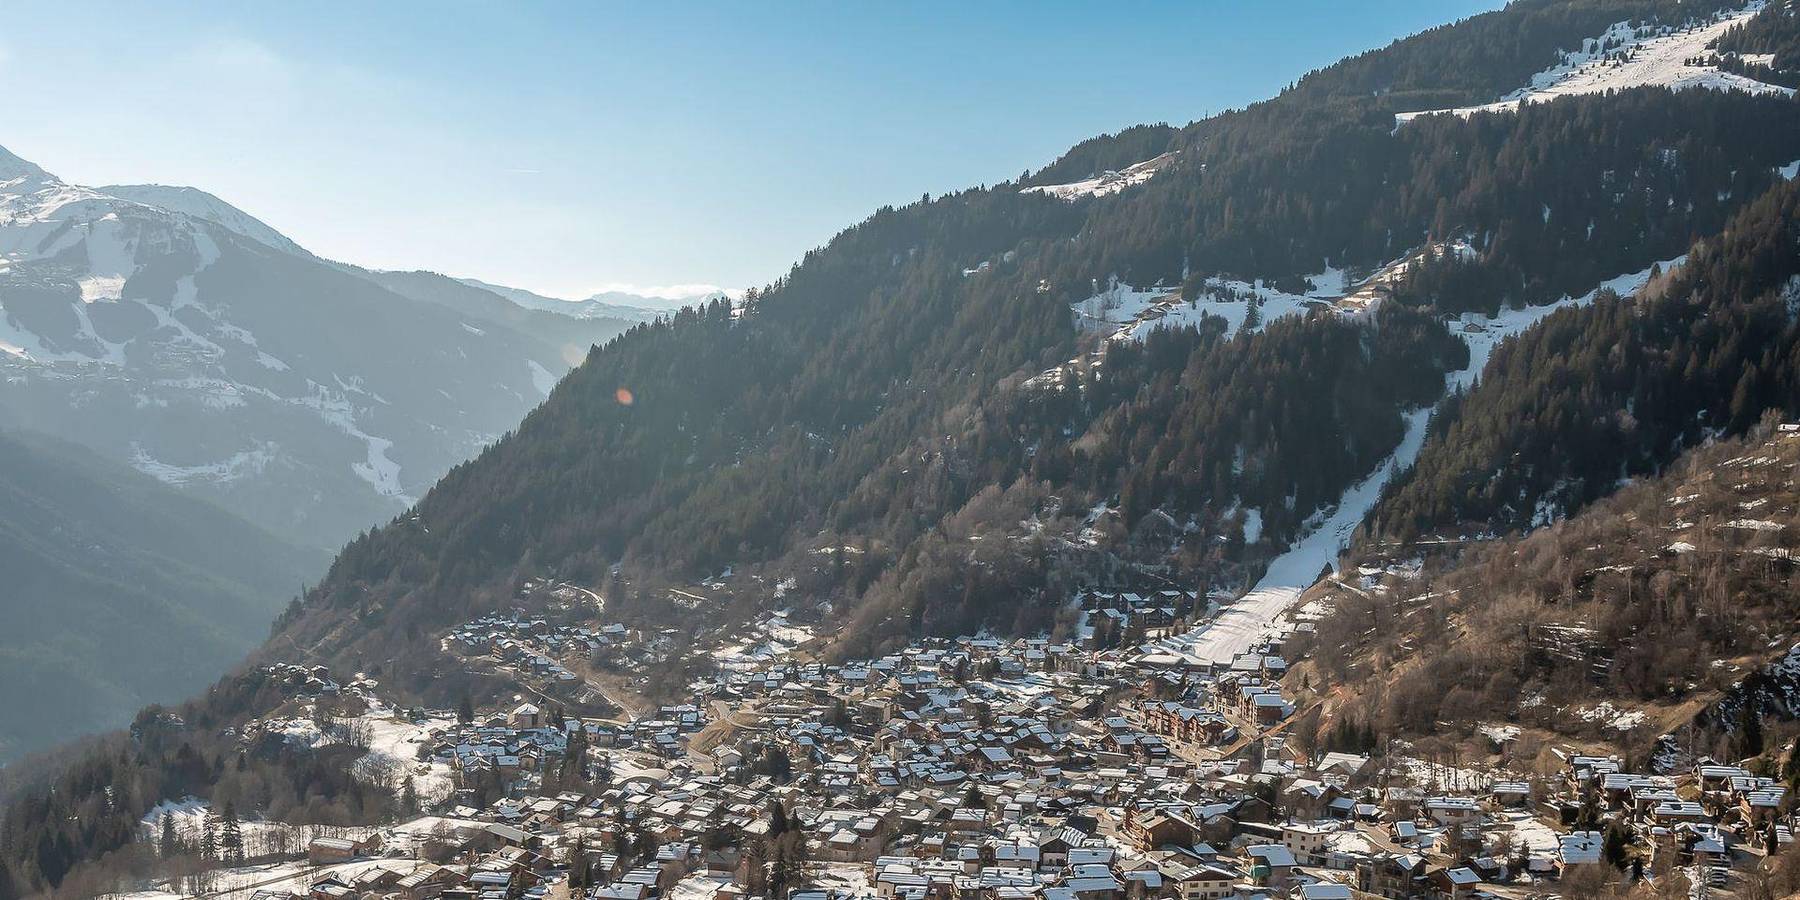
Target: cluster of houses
x: 988, y: 769
x: 533, y: 644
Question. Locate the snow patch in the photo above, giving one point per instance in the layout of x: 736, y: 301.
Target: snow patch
x: 235, y: 467
x: 1657, y: 57
x: 1106, y: 183
x: 541, y: 378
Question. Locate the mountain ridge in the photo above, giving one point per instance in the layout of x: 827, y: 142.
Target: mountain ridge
x: 197, y: 344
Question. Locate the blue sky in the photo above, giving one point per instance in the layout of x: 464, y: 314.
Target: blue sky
x: 569, y: 148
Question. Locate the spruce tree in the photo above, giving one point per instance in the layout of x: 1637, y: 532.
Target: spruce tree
x: 409, y: 797
x: 1750, y: 730
x: 231, y: 837
x: 166, y: 845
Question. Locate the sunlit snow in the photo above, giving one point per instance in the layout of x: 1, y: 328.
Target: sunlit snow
x: 1660, y: 57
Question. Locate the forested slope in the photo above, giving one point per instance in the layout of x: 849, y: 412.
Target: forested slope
x: 871, y: 394
x: 116, y: 591
x: 1615, y: 390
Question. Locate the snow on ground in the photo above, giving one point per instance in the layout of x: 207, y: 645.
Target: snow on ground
x: 380, y: 471
x: 541, y: 378
x: 1499, y: 733
x: 1241, y: 626
x: 1252, y: 525
x: 1105, y: 183
x: 1125, y: 313
x: 1237, y: 628
x: 845, y: 881
x: 297, y: 877
x: 1369, y: 292
x: 698, y: 886
x: 1297, y: 568
x: 763, y: 643
x: 1657, y: 58
x: 1540, y: 841
x: 394, y: 742
x: 239, y: 465
x: 1435, y: 776
x: 1483, y: 333
x: 1612, y: 717
x: 260, y: 837
x: 393, y: 746
x: 409, y: 836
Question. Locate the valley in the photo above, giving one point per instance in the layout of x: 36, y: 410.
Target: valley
x: 1386, y: 489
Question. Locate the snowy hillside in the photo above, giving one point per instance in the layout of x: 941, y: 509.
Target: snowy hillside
x: 166, y: 329
x: 202, y: 205
x: 1627, y: 57
x: 1257, y: 615
x: 1106, y: 183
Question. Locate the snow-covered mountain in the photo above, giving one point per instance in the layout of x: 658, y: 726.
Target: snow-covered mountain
x: 166, y: 328
x: 627, y: 305
x: 202, y: 205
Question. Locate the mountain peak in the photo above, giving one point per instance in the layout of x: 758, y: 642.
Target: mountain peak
x: 14, y: 167
x: 199, y: 204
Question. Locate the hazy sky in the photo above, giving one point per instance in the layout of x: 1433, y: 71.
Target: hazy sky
x: 570, y: 148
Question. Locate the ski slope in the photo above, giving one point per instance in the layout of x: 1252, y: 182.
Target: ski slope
x: 1255, y: 617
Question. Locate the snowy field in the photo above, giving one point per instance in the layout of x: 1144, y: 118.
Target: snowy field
x: 297, y: 877
x: 1237, y: 628
x: 260, y: 837
x: 847, y: 880
x: 394, y: 744
x: 1106, y: 183
x: 1656, y: 59
x: 1484, y: 333
x: 1126, y: 313
x: 767, y: 641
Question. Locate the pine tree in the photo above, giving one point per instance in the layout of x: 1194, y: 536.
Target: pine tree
x: 574, y: 765
x: 167, y: 845
x: 578, y: 865
x: 465, y: 710
x: 409, y: 797
x: 231, y: 838
x: 1614, y: 847
x: 209, y: 848
x: 1750, y: 728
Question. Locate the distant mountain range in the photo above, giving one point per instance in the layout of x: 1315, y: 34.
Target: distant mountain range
x: 168, y: 330
x: 633, y: 307
x: 199, y: 410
